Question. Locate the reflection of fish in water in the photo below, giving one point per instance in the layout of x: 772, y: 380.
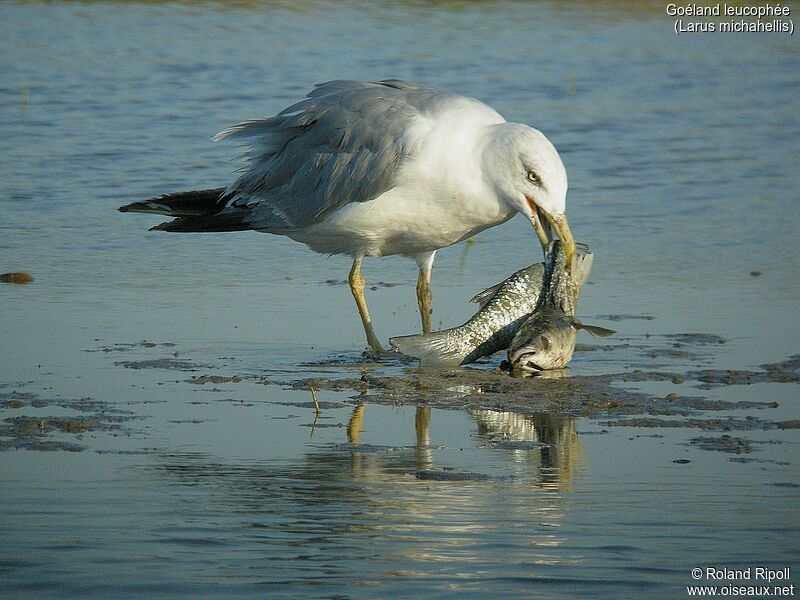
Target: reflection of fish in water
x: 549, y: 439
x: 546, y: 340
x: 504, y: 308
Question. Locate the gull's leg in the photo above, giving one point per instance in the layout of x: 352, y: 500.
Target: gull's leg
x: 356, y: 425
x: 425, y: 262
x: 357, y: 287
x: 422, y: 422
x: 424, y: 451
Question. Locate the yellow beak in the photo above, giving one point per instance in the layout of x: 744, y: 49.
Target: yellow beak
x: 542, y: 228
x: 567, y: 241
x: 542, y: 223
x: 561, y: 227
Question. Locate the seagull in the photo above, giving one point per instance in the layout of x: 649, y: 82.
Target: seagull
x: 380, y: 168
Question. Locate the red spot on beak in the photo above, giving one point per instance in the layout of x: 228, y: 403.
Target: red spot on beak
x: 531, y: 203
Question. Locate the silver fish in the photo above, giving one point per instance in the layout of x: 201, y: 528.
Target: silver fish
x: 546, y: 340
x: 504, y: 307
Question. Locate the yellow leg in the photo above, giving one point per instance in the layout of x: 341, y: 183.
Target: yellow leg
x: 422, y: 421
x: 356, y: 425
x: 425, y: 262
x: 357, y: 287
x: 424, y: 301
x: 423, y: 451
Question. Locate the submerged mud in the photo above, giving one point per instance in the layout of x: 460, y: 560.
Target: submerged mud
x: 613, y: 399
x: 53, y: 432
x: 598, y: 397
x: 723, y: 443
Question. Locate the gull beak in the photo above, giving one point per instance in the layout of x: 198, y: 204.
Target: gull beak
x: 542, y: 227
x: 561, y: 227
x: 544, y: 224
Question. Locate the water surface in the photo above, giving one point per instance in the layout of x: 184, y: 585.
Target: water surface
x: 681, y: 153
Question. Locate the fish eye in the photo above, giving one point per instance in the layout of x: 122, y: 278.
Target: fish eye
x: 534, y: 178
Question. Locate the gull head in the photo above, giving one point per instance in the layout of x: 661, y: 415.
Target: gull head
x: 525, y: 171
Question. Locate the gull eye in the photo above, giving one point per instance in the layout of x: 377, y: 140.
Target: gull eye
x: 534, y: 178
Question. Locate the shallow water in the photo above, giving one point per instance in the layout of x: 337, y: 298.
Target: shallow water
x: 681, y: 153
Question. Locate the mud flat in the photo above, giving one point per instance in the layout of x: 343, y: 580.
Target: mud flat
x: 617, y: 399
x: 55, y: 432
x: 598, y: 397
x: 613, y: 399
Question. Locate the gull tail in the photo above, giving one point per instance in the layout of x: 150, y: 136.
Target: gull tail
x: 437, y: 349
x: 181, y: 204
x: 196, y: 211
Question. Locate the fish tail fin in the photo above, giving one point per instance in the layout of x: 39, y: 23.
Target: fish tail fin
x: 593, y: 329
x: 433, y: 349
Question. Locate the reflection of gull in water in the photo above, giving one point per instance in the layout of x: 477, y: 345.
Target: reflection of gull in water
x: 544, y: 439
x: 356, y: 512
x: 423, y: 449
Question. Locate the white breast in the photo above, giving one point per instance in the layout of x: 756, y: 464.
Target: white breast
x: 403, y: 222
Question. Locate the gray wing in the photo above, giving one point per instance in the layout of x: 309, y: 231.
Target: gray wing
x: 343, y: 143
